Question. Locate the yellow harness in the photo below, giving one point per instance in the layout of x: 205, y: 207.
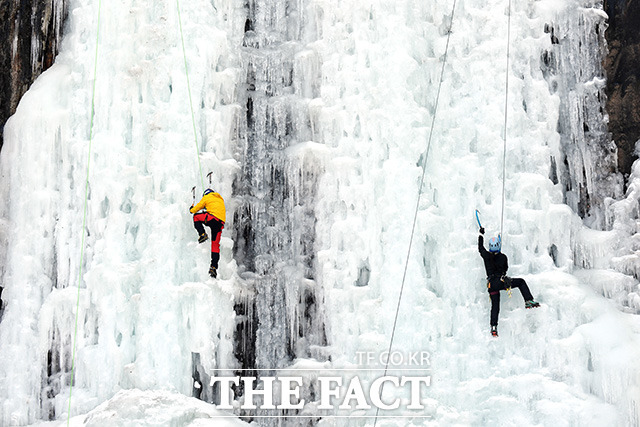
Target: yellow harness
x: 502, y: 280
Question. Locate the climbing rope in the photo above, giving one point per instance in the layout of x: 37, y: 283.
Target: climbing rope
x: 193, y: 117
x: 506, y: 111
x: 415, y: 216
x: 84, y: 219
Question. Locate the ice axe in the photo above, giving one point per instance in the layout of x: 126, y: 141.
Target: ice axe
x: 209, y: 176
x: 478, y: 218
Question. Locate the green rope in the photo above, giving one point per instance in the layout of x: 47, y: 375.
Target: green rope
x: 84, y: 219
x: 193, y: 117
x: 86, y: 195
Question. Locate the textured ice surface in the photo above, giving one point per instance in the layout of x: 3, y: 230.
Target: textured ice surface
x: 313, y: 117
x: 152, y: 408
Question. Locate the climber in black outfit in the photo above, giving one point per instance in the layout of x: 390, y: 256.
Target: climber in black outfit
x: 496, y: 265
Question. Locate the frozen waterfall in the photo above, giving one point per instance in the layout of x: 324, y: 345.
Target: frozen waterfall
x: 313, y: 116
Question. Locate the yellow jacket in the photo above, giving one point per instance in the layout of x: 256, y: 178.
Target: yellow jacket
x: 214, y: 204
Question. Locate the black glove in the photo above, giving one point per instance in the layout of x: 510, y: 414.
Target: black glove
x: 190, y: 208
x: 481, y: 230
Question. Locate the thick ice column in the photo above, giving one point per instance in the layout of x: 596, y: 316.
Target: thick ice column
x: 585, y: 162
x: 275, y: 221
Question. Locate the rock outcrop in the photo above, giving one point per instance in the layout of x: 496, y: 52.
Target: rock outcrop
x: 623, y: 78
x: 30, y: 32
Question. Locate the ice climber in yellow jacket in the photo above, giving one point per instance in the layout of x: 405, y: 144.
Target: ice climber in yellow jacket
x: 210, y: 211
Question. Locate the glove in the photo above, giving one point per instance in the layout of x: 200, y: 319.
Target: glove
x: 481, y: 230
x: 191, y: 207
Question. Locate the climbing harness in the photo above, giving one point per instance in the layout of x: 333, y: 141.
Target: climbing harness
x: 504, y: 279
x: 415, y: 216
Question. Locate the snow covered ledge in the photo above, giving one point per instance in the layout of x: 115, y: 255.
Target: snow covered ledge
x: 152, y: 408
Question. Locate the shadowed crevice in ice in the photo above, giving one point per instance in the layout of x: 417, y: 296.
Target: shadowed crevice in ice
x: 274, y: 222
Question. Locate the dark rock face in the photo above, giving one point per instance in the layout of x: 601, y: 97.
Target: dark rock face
x: 623, y: 77
x: 30, y: 32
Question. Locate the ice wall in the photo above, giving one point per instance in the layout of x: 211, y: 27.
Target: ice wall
x: 145, y: 319
x: 381, y: 67
x: 313, y: 116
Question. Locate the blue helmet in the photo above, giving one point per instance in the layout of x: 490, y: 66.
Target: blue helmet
x: 494, y: 244
x: 207, y: 191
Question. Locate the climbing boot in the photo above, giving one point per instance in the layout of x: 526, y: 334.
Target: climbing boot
x: 531, y: 304
x: 213, y: 272
x: 203, y: 238
x: 494, y: 331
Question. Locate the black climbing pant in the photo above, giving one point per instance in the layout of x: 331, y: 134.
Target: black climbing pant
x: 494, y: 288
